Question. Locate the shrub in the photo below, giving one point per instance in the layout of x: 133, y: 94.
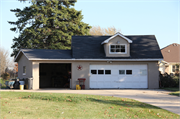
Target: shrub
x: 169, y: 81
x: 176, y: 80
x: 5, y: 76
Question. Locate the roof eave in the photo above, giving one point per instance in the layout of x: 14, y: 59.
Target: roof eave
x: 73, y: 59
x: 16, y: 59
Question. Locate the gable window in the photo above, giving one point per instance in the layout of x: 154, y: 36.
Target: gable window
x: 24, y: 70
x: 175, y: 68
x: 118, y: 48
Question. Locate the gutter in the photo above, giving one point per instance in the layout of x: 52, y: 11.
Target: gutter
x: 97, y: 59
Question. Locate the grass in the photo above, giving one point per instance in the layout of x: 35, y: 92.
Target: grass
x: 25, y: 105
x: 172, y: 89
x: 175, y: 91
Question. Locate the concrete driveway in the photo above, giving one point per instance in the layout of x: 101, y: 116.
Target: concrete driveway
x: 156, y: 97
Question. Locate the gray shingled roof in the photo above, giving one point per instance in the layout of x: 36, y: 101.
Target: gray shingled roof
x: 47, y: 54
x: 89, y: 47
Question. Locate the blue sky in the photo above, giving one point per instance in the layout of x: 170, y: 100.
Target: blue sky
x: 132, y: 17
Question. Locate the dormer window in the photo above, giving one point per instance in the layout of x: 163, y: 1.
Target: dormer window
x: 117, y: 46
x: 118, y: 49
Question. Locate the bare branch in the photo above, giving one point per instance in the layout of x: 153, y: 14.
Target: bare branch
x: 5, y: 60
x: 97, y: 30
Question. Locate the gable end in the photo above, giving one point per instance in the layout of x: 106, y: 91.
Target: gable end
x: 117, y: 34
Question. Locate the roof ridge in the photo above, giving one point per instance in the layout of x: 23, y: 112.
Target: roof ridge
x: 139, y: 35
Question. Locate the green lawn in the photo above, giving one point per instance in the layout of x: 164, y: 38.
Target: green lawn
x: 26, y: 105
x: 175, y: 91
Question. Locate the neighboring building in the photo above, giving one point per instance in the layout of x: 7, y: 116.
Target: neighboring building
x: 104, y: 61
x: 171, y: 62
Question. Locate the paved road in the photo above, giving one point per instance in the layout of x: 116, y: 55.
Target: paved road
x: 155, y: 97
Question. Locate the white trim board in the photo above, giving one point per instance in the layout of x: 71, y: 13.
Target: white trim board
x: 117, y: 34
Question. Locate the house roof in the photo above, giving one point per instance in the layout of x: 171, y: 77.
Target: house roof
x: 35, y: 54
x: 171, y: 53
x: 117, y: 34
x: 89, y: 47
x: 143, y: 48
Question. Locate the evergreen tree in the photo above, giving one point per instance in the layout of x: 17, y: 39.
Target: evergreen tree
x: 47, y: 24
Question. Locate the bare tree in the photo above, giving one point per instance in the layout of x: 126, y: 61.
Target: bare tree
x: 97, y: 30
x: 5, y: 60
x: 16, y: 67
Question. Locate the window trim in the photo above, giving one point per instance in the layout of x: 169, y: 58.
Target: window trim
x: 24, y: 73
x: 118, y: 52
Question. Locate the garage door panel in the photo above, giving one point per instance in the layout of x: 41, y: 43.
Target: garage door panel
x: 106, y: 79
x: 114, y: 86
x: 100, y: 84
x: 113, y: 78
x: 93, y: 84
x: 138, y: 78
x: 114, y: 72
x: 143, y: 85
x: 122, y: 85
x: 121, y: 78
x: 135, y: 85
x: 100, y: 78
x: 126, y: 66
x: 107, y: 84
x: 93, y: 78
x: 142, y: 79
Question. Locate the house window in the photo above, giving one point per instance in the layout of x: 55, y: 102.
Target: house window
x: 93, y: 71
x: 128, y: 72
x: 24, y: 70
x: 121, y: 72
x: 118, y: 49
x: 175, y: 68
x: 107, y: 71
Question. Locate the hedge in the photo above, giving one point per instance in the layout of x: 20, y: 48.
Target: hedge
x: 169, y: 81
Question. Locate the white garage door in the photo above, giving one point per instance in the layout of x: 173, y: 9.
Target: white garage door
x: 118, y: 76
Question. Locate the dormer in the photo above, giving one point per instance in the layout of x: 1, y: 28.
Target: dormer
x: 117, y: 46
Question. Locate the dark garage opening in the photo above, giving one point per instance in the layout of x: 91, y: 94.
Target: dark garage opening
x: 54, y: 75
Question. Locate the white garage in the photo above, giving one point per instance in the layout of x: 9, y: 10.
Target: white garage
x: 118, y: 76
